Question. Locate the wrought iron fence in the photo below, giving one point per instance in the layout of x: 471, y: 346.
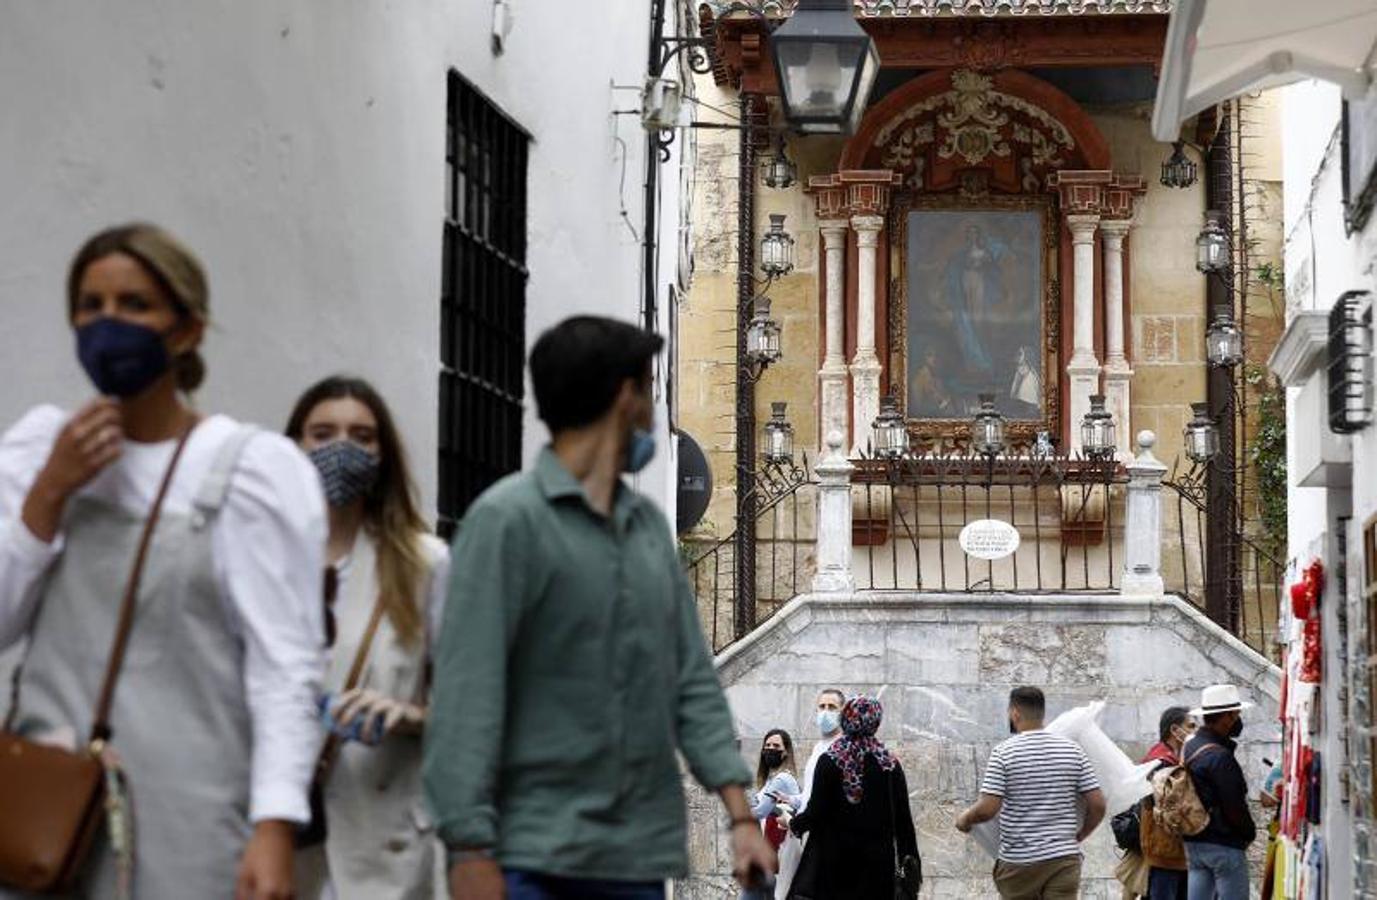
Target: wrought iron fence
x: 784, y: 556
x: 910, y: 512
x: 1245, y: 605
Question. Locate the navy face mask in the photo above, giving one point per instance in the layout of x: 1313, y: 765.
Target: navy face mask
x: 122, y: 359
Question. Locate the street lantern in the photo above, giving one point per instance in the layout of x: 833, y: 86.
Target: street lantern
x: 889, y: 431
x: 1223, y: 340
x: 778, y: 445
x: 1201, y: 435
x: 777, y: 249
x: 1212, y: 245
x: 1097, y: 430
x: 987, y: 428
x: 1177, y: 170
x: 778, y: 169
x: 763, y: 336
x: 826, y: 65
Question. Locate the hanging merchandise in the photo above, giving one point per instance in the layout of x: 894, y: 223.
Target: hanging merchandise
x: 1305, y: 594
x: 1312, y: 654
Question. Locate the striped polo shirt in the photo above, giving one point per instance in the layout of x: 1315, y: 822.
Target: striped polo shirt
x: 1040, y: 777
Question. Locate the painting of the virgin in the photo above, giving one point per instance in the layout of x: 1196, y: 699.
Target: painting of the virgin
x: 975, y: 287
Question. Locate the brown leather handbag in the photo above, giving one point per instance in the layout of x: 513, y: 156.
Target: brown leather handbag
x: 54, y: 798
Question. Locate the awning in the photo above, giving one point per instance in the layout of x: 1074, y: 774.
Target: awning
x: 1219, y: 49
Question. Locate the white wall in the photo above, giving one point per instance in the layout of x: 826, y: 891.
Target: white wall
x: 299, y: 148
x: 1323, y: 261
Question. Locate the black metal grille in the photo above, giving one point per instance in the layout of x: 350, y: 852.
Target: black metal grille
x: 1350, y: 363
x: 482, y: 299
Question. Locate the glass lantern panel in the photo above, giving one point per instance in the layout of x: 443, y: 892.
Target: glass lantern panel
x: 819, y: 80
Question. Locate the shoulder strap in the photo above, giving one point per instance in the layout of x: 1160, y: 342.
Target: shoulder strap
x: 100, y: 725
x: 1185, y: 763
x: 213, y: 491
x: 332, y: 743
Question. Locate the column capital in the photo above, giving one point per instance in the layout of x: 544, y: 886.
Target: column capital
x: 1081, y: 192
x: 868, y: 229
x: 833, y: 232
x: 1083, y: 227
x: 1114, y: 231
x: 829, y: 196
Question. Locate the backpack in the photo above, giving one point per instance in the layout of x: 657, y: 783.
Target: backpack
x: 1176, y: 807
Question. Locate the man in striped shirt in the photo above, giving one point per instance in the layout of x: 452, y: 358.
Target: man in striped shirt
x: 1036, y: 783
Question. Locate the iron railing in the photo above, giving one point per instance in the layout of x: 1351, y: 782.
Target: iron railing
x: 1250, y: 611
x: 783, y: 559
x: 910, y: 512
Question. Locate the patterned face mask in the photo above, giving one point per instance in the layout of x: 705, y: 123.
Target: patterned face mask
x: 347, y: 471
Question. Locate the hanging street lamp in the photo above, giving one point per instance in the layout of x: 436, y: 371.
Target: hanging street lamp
x: 778, y: 443
x: 778, y: 170
x: 1097, y: 430
x: 777, y: 249
x: 1223, y: 340
x: 1177, y: 170
x: 889, y: 431
x: 763, y: 345
x: 987, y: 428
x: 1212, y: 245
x: 1201, y: 435
x: 826, y: 65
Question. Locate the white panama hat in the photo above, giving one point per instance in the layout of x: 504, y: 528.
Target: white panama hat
x: 1219, y: 698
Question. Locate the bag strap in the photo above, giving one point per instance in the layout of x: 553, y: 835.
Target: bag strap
x: 330, y: 750
x: 100, y: 724
x: 1186, y: 763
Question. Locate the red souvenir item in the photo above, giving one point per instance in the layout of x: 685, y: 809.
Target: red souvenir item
x: 1305, y: 594
x: 775, y: 833
x: 1312, y: 665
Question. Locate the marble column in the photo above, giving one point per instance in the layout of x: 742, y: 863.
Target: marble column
x: 1116, y: 369
x: 834, y: 518
x: 1084, y: 368
x: 1143, y: 522
x: 865, y: 365
x: 832, y: 376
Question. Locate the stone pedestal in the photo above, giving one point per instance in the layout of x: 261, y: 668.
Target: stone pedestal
x: 834, y: 519
x: 1143, y: 522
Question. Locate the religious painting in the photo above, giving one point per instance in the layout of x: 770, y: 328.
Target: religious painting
x: 977, y: 298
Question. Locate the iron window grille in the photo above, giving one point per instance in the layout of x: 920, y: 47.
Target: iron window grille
x: 1350, y: 363
x: 482, y: 299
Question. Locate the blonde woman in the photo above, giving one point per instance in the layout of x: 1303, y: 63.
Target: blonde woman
x: 392, y: 576
x: 213, y: 720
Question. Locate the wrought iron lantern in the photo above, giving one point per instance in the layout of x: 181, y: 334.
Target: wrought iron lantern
x: 826, y: 65
x: 763, y: 335
x: 778, y: 170
x: 1178, y: 171
x: 987, y: 428
x: 1212, y: 245
x: 777, y: 249
x: 1201, y: 435
x: 889, y: 431
x: 1097, y: 430
x: 1223, y: 340
x: 778, y: 443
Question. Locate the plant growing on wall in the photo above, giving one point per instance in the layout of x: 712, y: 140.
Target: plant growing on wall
x: 1267, y: 452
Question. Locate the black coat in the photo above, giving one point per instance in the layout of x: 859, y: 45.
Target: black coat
x: 850, y: 849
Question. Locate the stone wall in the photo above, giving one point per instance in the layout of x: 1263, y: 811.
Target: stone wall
x: 943, y: 666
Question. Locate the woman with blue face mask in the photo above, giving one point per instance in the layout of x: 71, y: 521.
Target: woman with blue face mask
x: 211, y: 723
x: 392, y: 574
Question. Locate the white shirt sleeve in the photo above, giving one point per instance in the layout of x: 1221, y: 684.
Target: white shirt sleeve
x: 437, y: 551
x: 270, y: 552
x: 24, y: 559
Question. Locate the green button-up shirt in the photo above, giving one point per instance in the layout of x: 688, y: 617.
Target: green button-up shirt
x: 570, y: 667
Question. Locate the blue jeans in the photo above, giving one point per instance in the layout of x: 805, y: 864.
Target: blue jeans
x: 1216, y: 872
x: 534, y: 886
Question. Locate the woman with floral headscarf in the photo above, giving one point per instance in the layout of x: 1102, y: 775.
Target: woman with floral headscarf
x: 858, y: 821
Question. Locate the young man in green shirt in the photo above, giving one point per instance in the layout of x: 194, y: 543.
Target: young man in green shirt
x: 571, y: 665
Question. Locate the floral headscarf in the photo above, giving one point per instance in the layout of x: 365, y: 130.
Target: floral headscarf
x: 860, y: 719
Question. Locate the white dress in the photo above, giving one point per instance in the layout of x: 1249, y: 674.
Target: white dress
x: 380, y: 842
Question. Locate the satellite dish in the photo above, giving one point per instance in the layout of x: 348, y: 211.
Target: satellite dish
x: 695, y: 484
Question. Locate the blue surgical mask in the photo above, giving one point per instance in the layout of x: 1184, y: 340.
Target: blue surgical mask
x: 640, y: 451
x: 829, y: 720
x: 122, y: 359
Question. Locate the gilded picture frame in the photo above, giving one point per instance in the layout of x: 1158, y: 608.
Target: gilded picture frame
x: 963, y: 304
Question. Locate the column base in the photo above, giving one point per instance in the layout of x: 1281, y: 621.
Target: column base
x: 1136, y: 585
x: 832, y: 397
x: 1116, y: 400
x: 833, y: 582
x: 1085, y: 380
x: 865, y: 402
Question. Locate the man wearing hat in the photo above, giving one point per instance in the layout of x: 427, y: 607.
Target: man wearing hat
x: 1217, y: 856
